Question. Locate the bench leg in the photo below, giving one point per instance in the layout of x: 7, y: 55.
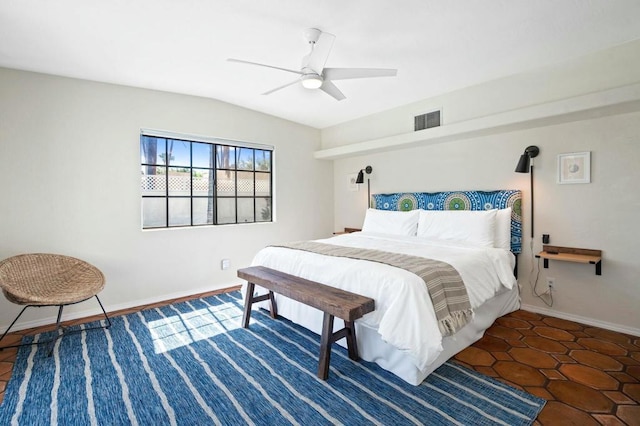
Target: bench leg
x: 274, y: 307
x: 248, y: 301
x: 325, y: 346
x: 352, y: 344
x: 327, y: 339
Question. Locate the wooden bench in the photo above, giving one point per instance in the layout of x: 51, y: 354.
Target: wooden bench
x: 334, y: 302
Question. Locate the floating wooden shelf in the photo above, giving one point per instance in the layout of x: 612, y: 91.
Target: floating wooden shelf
x: 571, y: 254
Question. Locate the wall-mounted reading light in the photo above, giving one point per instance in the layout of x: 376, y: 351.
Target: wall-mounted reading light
x: 525, y: 165
x: 360, y: 179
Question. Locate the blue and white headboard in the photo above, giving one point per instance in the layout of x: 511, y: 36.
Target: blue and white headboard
x: 459, y: 200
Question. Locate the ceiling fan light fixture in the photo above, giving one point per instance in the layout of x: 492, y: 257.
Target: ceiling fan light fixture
x: 314, y: 75
x: 311, y: 81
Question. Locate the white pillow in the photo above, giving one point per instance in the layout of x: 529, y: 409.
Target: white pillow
x: 503, y: 229
x: 471, y: 227
x: 391, y: 222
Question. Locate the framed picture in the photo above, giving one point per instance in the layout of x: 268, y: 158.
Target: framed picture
x: 574, y: 167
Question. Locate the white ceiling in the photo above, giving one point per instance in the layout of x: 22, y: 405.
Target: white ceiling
x: 181, y: 46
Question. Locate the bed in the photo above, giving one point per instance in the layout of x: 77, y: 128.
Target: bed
x: 478, y: 233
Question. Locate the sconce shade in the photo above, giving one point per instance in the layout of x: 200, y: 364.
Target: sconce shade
x: 530, y: 152
x: 367, y: 170
x: 523, y: 164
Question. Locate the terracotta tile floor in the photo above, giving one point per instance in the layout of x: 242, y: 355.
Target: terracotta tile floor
x: 588, y: 375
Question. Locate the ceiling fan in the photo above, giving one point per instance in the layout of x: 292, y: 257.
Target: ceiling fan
x: 313, y: 74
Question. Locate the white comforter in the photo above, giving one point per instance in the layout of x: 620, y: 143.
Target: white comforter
x: 404, y: 314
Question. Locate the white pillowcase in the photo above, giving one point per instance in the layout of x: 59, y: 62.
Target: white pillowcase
x: 503, y: 229
x: 391, y: 222
x: 477, y: 228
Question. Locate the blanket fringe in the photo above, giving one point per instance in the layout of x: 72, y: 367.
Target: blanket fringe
x: 454, y: 321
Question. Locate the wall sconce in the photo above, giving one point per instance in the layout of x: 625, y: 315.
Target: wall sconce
x: 525, y: 165
x: 360, y: 179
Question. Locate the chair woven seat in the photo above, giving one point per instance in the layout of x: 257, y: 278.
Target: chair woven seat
x: 41, y: 279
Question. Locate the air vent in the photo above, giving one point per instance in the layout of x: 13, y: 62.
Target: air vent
x: 426, y: 121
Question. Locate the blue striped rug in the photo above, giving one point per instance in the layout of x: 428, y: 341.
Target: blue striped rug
x: 190, y: 363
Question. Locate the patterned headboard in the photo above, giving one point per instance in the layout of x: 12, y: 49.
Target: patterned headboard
x: 459, y: 200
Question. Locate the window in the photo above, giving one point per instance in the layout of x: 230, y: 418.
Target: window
x: 189, y: 181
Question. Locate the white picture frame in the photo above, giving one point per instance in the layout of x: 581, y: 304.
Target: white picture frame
x: 574, y: 167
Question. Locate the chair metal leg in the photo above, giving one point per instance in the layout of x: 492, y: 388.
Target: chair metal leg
x: 104, y: 312
x: 59, y: 316
x: 7, y: 330
x: 61, y: 330
x: 65, y: 331
x: 52, y: 343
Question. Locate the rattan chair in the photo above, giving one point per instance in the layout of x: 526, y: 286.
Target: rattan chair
x: 41, y: 279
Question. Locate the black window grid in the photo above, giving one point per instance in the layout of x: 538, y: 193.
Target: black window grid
x: 213, y: 184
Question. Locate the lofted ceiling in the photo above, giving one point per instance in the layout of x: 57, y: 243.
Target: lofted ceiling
x: 181, y: 46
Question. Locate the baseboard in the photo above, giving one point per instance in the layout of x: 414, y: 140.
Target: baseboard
x: 583, y: 320
x: 141, y: 302
x: 95, y: 310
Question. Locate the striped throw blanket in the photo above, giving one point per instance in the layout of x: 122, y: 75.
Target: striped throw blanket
x: 448, y: 292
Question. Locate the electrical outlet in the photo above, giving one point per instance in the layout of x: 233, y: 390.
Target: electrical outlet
x: 551, y: 282
x: 225, y: 263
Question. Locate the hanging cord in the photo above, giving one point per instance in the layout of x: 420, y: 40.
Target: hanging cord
x: 532, y: 260
x: 541, y: 296
x: 534, y: 283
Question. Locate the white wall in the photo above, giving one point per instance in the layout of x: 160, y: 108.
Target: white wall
x: 602, y: 70
x: 70, y: 178
x: 600, y: 215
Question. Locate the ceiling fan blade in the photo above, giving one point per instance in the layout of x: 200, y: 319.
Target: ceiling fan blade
x: 347, y: 73
x: 281, y: 87
x: 318, y: 57
x: 331, y: 89
x: 263, y: 65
